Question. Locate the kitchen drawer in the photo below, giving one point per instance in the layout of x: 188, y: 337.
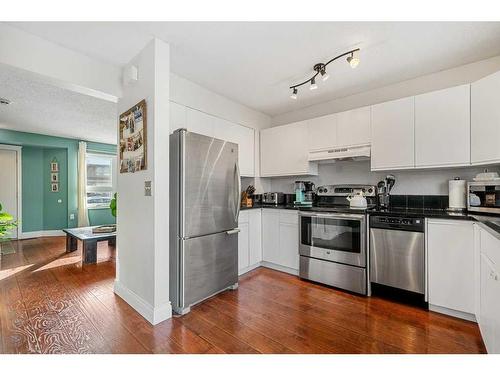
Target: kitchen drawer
x: 490, y: 246
x: 289, y: 217
x: 243, y: 218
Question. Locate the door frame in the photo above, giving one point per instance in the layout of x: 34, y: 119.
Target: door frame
x: 19, y: 187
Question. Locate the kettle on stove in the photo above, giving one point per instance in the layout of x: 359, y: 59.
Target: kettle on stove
x: 357, y: 200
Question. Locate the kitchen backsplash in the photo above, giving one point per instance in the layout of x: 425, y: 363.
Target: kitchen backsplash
x: 408, y: 182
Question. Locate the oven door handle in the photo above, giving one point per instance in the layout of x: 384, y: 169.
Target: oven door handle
x: 334, y: 216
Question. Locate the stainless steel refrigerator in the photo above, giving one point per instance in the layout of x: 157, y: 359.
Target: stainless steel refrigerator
x: 204, y: 207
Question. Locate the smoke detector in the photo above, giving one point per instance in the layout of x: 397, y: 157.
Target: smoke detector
x: 4, y: 101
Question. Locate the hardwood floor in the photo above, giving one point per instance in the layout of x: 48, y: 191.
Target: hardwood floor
x: 50, y: 304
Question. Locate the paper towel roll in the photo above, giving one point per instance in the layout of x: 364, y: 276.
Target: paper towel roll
x: 457, y: 194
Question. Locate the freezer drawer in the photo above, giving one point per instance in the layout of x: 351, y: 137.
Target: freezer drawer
x: 207, y: 265
x: 397, y: 259
x: 334, y: 274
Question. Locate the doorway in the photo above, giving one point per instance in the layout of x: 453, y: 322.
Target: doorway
x: 10, y: 191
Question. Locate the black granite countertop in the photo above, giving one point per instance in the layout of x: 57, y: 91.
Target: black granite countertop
x: 278, y: 207
x: 421, y: 212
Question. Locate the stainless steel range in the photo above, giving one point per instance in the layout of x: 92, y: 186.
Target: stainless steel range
x: 333, y: 238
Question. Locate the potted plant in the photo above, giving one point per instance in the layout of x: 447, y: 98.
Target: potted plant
x: 112, y: 205
x: 7, y: 223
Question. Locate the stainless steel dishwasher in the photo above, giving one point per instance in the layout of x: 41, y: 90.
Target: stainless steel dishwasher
x: 397, y: 252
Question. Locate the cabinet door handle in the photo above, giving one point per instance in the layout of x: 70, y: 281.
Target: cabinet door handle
x: 233, y: 231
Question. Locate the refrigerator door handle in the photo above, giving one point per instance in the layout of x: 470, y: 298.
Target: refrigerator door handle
x: 238, y: 187
x: 233, y: 231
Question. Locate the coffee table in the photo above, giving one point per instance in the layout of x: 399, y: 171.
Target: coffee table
x: 89, y: 241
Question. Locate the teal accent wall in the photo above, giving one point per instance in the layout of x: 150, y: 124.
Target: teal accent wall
x: 55, y: 213
x: 41, y: 209
x: 32, y: 191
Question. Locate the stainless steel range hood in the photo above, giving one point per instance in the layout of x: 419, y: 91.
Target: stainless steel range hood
x: 361, y: 152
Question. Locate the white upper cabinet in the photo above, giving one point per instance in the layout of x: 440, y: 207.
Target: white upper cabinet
x: 177, y: 116
x: 243, y: 137
x: 485, y: 120
x: 283, y: 151
x: 392, y: 135
x: 442, y: 128
x: 199, y: 122
x: 353, y: 127
x: 322, y: 133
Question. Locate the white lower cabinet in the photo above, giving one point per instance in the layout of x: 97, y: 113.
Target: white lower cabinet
x: 451, y: 271
x: 249, y: 240
x: 270, y: 235
x: 280, y: 238
x: 489, y: 318
x: 255, y: 237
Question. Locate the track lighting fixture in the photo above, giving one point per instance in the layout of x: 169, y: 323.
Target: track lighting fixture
x: 320, y: 68
x: 353, y: 60
x: 313, y: 86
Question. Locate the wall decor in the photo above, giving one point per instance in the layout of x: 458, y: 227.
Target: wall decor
x: 133, y: 139
x: 54, y: 187
x: 54, y: 177
x: 54, y: 166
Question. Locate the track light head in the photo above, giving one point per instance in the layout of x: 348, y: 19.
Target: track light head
x: 324, y: 75
x: 313, y: 86
x: 294, y: 93
x: 353, y: 60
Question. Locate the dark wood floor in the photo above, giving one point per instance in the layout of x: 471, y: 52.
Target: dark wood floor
x: 50, y: 304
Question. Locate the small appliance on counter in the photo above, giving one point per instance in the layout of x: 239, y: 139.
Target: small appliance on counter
x: 273, y: 199
x: 457, y: 193
x: 257, y: 198
x: 357, y: 201
x: 384, y: 188
x: 304, y: 193
x: 484, y: 193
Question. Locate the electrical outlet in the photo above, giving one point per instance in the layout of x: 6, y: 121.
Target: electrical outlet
x: 72, y: 216
x: 147, y: 188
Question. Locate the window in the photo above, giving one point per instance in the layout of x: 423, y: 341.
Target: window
x: 101, y: 179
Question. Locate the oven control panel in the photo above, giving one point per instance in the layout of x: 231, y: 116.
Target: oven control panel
x: 346, y: 190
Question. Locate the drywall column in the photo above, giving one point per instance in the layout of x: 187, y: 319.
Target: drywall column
x: 142, y: 221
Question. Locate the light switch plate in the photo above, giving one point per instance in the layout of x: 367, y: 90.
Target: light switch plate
x: 72, y: 216
x: 147, y: 188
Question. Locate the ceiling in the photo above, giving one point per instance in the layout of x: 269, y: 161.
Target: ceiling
x: 38, y: 107
x: 254, y: 63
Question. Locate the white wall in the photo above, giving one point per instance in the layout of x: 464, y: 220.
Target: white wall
x: 190, y: 94
x: 446, y: 78
x: 411, y: 182
x: 142, y: 222
x: 59, y: 66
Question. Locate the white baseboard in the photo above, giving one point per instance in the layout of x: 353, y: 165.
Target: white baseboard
x: 154, y: 315
x: 248, y: 269
x: 41, y: 233
x: 278, y: 267
x: 451, y: 312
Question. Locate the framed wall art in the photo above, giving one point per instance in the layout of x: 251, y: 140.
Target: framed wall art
x: 133, y: 139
